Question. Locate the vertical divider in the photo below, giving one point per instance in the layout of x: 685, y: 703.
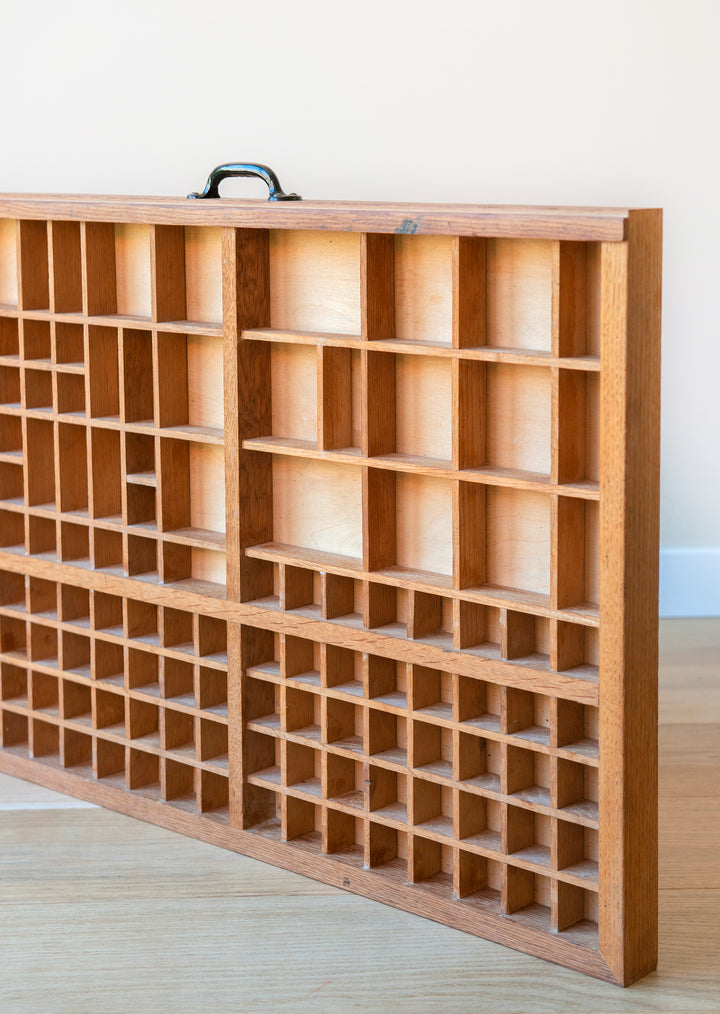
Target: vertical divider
x: 98, y: 261
x: 248, y: 488
x: 167, y: 260
x: 379, y: 535
x: 64, y: 257
x: 631, y: 281
x: 334, y: 410
x: 469, y: 298
x: 33, y: 280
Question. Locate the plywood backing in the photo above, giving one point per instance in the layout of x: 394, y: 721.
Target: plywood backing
x: 302, y: 533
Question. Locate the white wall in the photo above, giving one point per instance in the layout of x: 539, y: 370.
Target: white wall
x: 465, y: 100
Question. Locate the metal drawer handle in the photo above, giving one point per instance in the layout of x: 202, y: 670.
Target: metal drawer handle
x: 246, y: 169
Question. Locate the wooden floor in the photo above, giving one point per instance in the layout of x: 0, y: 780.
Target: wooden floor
x: 99, y: 912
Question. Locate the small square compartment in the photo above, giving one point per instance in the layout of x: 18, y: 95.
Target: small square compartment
x: 177, y: 732
x: 479, y: 821
x: 387, y: 793
x: 132, y: 270
x: 431, y: 619
x: 302, y: 767
x: 12, y: 635
x: 107, y: 612
x: 424, y: 525
x: 518, y: 417
x: 13, y: 684
x: 108, y: 663
x: 345, y: 781
x: 12, y: 590
x: 8, y: 262
x: 10, y: 386
x: 318, y: 505
x: 432, y: 692
x: 479, y: 762
x: 38, y: 389
x: 344, y: 834
x: 212, y: 638
x: 214, y: 742
x: 143, y: 772
x: 44, y: 693
x: 107, y: 549
x: 141, y: 556
x: 519, y: 293
x: 108, y: 758
x: 75, y: 653
x: 142, y: 671
x: 70, y: 394
x: 386, y: 681
x: 212, y: 691
x: 137, y: 376
x: 387, y: 737
x: 423, y: 409
x: 479, y: 703
x: 45, y: 739
x: 72, y: 467
x: 102, y: 370
x: 177, y: 680
x: 74, y: 542
x: 315, y: 281
x: 11, y: 435
x: 431, y: 863
x: 432, y: 807
x: 432, y: 749
x: 140, y: 621
x: 44, y: 644
x: 77, y: 750
x: 36, y: 342
x: 12, y: 524
x: 75, y: 606
x: 526, y: 893
x: 77, y: 702
x: 302, y: 714
x: 178, y: 783
x: 14, y: 729
x: 141, y: 509
x: 9, y: 339
x: 528, y: 775
x: 43, y: 597
x: 526, y: 715
x: 424, y: 289
x: 177, y: 630
x: 528, y: 835
x: 301, y: 818
x: 388, y: 848
x: 478, y: 879
x: 293, y: 379
x: 11, y: 486
x: 142, y: 721
x: 518, y: 539
x: 214, y: 795
x: 203, y: 274
x: 109, y: 711
x: 69, y: 344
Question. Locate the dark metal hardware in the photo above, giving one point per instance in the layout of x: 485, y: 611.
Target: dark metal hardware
x: 246, y: 169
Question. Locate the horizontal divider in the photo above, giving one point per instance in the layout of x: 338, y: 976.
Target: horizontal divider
x: 212, y: 328
x: 489, y: 354
x: 438, y: 467
x: 402, y: 577
x: 200, y: 596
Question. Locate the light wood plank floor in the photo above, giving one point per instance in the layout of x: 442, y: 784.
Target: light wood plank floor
x: 99, y: 912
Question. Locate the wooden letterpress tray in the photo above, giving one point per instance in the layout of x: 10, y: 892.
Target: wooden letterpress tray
x: 329, y: 535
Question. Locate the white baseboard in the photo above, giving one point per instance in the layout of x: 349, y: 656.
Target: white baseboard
x: 690, y: 582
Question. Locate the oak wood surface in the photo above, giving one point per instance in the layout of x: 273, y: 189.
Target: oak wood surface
x: 97, y: 875
x: 369, y: 623
x: 473, y: 220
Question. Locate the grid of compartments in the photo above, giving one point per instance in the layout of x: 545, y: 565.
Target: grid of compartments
x: 122, y: 691
x: 111, y: 401
x: 472, y: 790
x: 435, y: 467
x: 378, y: 457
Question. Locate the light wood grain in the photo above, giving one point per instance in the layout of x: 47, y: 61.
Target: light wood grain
x: 102, y: 874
